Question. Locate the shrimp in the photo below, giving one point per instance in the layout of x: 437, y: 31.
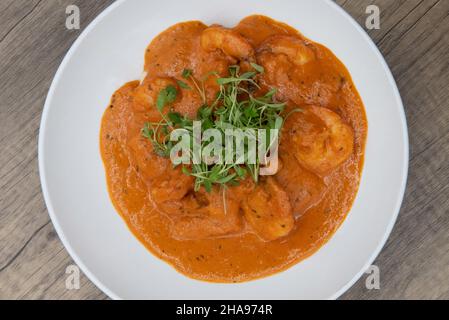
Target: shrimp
x: 164, y: 182
x: 171, y: 186
x: 228, y: 41
x: 145, y: 95
x: 267, y: 209
x: 145, y: 98
x: 305, y: 189
x: 203, y: 215
x: 295, y: 49
x: 321, y: 140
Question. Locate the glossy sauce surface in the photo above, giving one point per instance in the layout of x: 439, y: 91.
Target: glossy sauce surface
x: 227, y: 248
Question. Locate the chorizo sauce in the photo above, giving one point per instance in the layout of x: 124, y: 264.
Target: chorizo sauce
x: 321, y: 154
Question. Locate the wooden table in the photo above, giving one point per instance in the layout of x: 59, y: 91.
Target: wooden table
x: 414, y: 38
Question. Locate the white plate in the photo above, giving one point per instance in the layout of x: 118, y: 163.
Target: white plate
x: 109, y: 53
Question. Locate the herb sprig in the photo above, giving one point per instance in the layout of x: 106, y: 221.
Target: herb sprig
x: 235, y: 107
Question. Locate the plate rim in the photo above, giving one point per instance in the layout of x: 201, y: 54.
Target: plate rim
x: 41, y: 145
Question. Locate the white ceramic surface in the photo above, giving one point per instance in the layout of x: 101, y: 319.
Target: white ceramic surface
x: 109, y: 53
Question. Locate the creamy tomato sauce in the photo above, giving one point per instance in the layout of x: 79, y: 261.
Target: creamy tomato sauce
x: 320, y: 189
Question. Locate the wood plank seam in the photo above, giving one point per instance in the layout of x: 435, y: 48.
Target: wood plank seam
x: 20, y: 21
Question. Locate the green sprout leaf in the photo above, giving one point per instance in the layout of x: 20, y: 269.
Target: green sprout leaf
x: 166, y: 96
x: 186, y: 73
x: 183, y: 85
x: 257, y: 67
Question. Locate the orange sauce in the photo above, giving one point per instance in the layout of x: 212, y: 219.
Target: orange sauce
x: 320, y: 201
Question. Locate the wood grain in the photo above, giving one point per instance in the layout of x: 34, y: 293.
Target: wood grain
x: 414, y: 38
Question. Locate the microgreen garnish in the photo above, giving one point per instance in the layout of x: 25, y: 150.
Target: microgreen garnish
x: 183, y: 85
x: 166, y: 96
x: 197, y: 84
x: 186, y: 73
x: 257, y: 67
x: 235, y: 107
